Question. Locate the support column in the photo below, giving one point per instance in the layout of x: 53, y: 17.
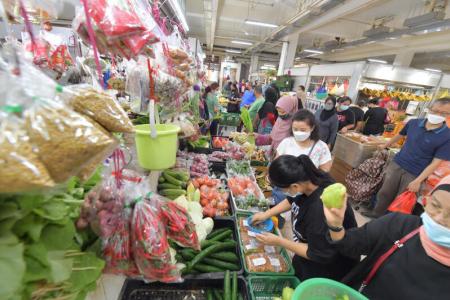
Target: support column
x: 404, y: 58
x: 254, y: 60
x: 288, y: 51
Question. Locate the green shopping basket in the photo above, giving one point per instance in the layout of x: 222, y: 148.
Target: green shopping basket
x: 230, y: 119
x: 266, y: 288
x: 325, y: 289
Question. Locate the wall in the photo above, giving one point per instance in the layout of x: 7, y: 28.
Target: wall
x: 224, y: 65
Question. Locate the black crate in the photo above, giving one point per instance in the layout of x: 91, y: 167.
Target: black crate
x: 223, y: 222
x: 139, y: 290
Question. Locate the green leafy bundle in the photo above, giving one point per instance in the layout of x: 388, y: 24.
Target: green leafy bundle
x: 41, y: 253
x: 245, y: 117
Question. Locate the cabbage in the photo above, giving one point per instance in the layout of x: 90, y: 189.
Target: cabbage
x: 182, y: 201
x: 208, y: 223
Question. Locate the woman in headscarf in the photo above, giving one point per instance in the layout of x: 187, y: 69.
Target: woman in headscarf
x: 328, y: 121
x: 267, y: 114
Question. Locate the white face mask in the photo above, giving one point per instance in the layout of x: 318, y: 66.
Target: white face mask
x: 301, y: 136
x: 435, y: 119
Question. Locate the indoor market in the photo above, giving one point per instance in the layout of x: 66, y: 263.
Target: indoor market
x: 224, y: 149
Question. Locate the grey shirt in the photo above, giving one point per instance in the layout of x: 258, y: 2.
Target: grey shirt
x: 328, y: 128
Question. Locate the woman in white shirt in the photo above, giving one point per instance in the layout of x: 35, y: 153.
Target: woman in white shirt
x: 305, y: 140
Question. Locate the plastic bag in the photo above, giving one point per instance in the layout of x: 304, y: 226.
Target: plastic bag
x: 404, y: 203
x: 65, y: 140
x: 20, y: 168
x: 261, y: 262
x: 150, y: 245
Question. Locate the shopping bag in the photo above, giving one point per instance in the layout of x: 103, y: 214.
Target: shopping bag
x: 404, y: 203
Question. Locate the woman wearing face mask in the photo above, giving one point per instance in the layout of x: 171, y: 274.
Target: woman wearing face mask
x: 419, y: 267
x: 327, y: 121
x: 345, y: 116
x: 305, y: 140
x: 304, y: 184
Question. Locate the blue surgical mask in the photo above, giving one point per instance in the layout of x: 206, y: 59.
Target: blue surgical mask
x: 329, y: 106
x: 344, y: 107
x: 435, y: 231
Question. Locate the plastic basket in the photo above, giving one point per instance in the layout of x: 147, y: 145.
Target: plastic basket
x: 266, y: 288
x: 230, y: 119
x: 325, y: 289
x: 157, y: 153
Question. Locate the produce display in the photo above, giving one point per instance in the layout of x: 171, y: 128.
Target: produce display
x: 219, y: 142
x: 246, y: 194
x: 230, y: 288
x: 263, y: 262
x: 236, y: 151
x: 213, y: 196
x: 172, y: 184
x: 239, y: 168
x: 219, y: 156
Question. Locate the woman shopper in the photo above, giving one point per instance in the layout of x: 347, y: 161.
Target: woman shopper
x: 212, y: 104
x: 234, y: 100
x: 419, y: 267
x: 328, y: 122
x: 267, y: 114
x: 345, y: 116
x: 304, y: 184
x: 375, y: 118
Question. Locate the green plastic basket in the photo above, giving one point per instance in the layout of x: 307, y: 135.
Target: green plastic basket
x: 283, y: 253
x: 230, y: 119
x: 325, y: 289
x: 265, y: 288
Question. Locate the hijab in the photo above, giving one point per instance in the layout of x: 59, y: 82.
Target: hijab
x: 268, y: 107
x: 282, y: 128
x: 326, y: 114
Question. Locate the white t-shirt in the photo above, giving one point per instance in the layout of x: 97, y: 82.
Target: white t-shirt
x: 319, y: 155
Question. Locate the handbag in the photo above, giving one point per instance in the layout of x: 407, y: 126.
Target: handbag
x: 404, y: 203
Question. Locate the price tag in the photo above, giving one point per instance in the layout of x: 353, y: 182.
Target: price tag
x: 259, y: 261
x: 274, y: 262
x: 250, y: 247
x: 245, y: 222
x: 269, y: 249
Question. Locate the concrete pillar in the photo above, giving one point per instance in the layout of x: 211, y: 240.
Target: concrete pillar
x: 254, y: 60
x: 288, y: 52
x: 404, y: 58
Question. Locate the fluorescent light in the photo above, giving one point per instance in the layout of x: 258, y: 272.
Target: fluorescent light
x: 242, y: 43
x: 313, y: 51
x: 260, y: 24
x: 377, y: 61
x: 179, y: 13
x: 269, y: 65
x: 232, y: 51
x: 433, y: 70
x: 267, y: 68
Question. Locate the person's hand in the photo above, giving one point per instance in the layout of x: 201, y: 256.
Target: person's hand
x: 259, y: 218
x: 269, y: 239
x: 335, y: 216
x: 414, y: 186
x: 383, y: 146
x: 344, y: 130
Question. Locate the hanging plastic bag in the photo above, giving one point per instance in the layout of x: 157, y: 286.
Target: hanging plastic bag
x: 404, y: 203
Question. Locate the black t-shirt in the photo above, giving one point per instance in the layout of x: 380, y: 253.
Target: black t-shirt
x: 345, y: 118
x: 309, y: 226
x: 359, y: 113
x: 409, y: 273
x: 374, y: 118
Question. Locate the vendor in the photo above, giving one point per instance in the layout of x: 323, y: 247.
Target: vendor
x: 234, y: 100
x: 427, y: 145
x: 420, y: 266
x: 345, y: 116
x: 375, y: 118
x: 304, y: 184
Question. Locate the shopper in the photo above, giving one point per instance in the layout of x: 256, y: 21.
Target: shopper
x: 267, y: 114
x: 358, y: 111
x: 303, y: 183
x: 305, y: 140
x: 327, y: 121
x: 259, y: 102
x: 234, y: 100
x: 420, y: 266
x: 301, y: 96
x: 345, y: 116
x: 212, y: 104
x: 274, y: 85
x: 249, y: 96
x: 227, y: 89
x: 195, y: 102
x: 427, y: 145
x: 375, y: 118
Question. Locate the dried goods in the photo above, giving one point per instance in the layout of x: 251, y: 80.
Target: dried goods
x: 260, y: 262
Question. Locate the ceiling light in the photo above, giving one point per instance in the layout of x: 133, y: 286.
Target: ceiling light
x: 245, y: 32
x: 242, y: 43
x: 232, y: 51
x: 313, y: 51
x: 179, y: 13
x: 260, y: 24
x: 433, y: 70
x: 267, y: 68
x: 269, y: 65
x: 377, y: 61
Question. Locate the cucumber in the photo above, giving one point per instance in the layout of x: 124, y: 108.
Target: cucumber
x: 222, y: 236
x: 161, y: 179
x: 216, y: 232
x: 209, y: 294
x: 206, y: 243
x: 202, y: 268
x: 226, y: 256
x: 234, y: 287
x: 179, y: 258
x: 214, y: 248
x: 168, y: 186
x: 187, y: 255
x: 218, y: 294
x: 182, y: 176
x: 226, y: 286
x: 174, y: 181
x: 220, y: 264
x: 172, y: 193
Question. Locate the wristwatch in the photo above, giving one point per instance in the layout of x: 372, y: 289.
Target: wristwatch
x: 335, y: 229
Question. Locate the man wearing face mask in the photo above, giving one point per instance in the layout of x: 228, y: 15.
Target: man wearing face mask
x: 427, y: 145
x: 345, y: 116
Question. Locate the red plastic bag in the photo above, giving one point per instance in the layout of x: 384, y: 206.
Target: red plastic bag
x: 404, y: 203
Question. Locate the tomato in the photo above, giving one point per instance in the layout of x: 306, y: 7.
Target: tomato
x: 204, y: 202
x: 204, y: 189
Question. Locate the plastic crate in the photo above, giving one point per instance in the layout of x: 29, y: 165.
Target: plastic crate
x: 212, y: 144
x: 230, y: 119
x: 246, y: 211
x: 223, y: 222
x: 325, y: 289
x: 189, y: 289
x: 266, y: 288
x: 283, y: 253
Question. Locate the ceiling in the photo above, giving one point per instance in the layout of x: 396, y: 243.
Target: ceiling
x: 348, y: 20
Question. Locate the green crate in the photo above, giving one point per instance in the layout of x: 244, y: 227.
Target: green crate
x: 265, y: 288
x: 230, y: 119
x: 283, y: 253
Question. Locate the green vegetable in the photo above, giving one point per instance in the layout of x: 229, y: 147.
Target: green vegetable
x: 173, y: 180
x: 234, y: 287
x: 287, y: 293
x: 182, y: 176
x: 204, y: 253
x: 216, y: 232
x: 218, y: 295
x: 226, y: 256
x: 207, y: 243
x: 172, y: 193
x: 226, y: 286
x: 187, y: 254
x: 168, y: 186
x: 222, y: 236
x: 202, y: 268
x: 221, y: 264
x: 190, y: 192
x: 245, y: 117
x: 197, y: 195
x: 161, y: 179
x: 209, y: 295
x: 333, y: 196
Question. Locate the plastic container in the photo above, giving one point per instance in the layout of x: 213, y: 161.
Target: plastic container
x: 157, y: 153
x: 325, y: 289
x: 245, y: 211
x: 189, y: 289
x: 266, y: 288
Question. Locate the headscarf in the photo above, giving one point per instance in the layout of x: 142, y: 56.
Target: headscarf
x: 268, y: 107
x: 326, y: 114
x: 282, y: 128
